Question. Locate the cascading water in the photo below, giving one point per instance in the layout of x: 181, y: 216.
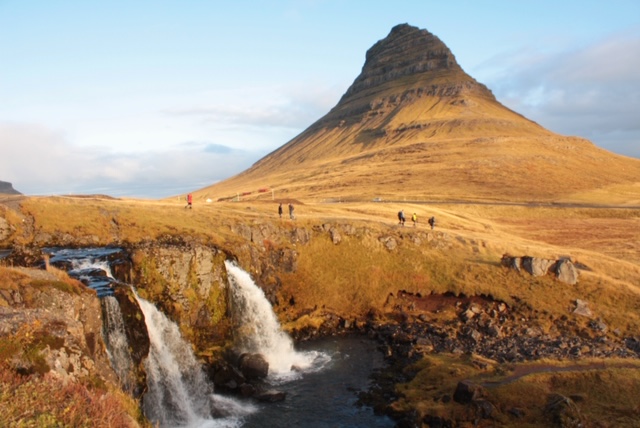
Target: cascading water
x: 116, y: 340
x: 258, y: 329
x: 178, y: 392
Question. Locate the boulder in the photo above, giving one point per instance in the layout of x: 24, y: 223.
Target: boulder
x: 563, y: 411
x: 389, y: 242
x: 467, y: 391
x: 582, y: 308
x: 253, y: 366
x: 536, y: 266
x: 563, y: 269
x: 335, y: 235
x: 566, y: 272
x: 271, y: 396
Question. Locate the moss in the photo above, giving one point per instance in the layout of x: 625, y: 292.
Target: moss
x: 9, y: 347
x: 58, y: 285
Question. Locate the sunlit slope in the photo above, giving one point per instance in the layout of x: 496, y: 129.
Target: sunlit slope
x: 414, y: 125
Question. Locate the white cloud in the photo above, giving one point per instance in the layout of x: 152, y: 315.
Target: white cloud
x: 41, y: 161
x: 294, y: 108
x: 593, y: 91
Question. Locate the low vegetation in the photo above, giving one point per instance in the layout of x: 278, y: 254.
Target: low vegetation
x: 44, y: 401
x: 523, y: 390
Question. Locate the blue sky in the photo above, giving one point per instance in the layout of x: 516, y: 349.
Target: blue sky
x: 156, y: 98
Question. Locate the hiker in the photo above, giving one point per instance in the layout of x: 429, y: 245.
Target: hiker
x: 414, y: 218
x: 401, y: 218
x: 291, y: 216
x: 189, y: 201
x: 280, y: 210
x: 432, y: 222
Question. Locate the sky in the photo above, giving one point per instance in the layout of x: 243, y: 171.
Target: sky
x: 151, y: 99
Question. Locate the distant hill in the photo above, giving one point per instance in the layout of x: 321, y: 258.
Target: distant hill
x: 414, y: 125
x: 7, y: 189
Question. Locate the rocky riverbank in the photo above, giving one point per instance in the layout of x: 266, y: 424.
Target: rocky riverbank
x: 488, y: 334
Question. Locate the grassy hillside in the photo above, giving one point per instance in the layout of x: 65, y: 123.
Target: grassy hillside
x: 462, y: 255
x: 355, y: 276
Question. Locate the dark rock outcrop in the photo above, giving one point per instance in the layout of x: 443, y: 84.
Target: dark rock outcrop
x: 408, y: 51
x: 6, y: 188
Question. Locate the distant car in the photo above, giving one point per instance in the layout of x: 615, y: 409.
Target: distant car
x: 377, y: 199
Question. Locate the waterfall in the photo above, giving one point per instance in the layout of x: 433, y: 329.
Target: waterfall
x: 116, y: 341
x: 178, y: 392
x: 258, y: 329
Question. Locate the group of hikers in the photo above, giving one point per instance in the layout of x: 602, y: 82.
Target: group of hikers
x: 291, y: 216
x: 414, y: 219
x: 401, y: 217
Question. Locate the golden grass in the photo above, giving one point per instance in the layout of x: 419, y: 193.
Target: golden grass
x: 461, y: 256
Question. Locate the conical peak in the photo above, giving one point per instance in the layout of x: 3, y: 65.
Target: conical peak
x: 406, y: 51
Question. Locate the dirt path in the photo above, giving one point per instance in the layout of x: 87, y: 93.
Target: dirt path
x: 523, y: 371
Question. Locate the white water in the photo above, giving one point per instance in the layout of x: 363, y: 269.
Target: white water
x: 178, y: 393
x: 258, y: 330
x: 116, y: 341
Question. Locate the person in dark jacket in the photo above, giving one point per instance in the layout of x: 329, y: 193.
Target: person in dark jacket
x: 401, y: 218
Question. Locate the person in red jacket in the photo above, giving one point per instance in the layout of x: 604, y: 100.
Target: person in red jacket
x: 189, y: 201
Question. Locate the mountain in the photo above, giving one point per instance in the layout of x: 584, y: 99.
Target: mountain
x: 7, y: 189
x: 415, y: 126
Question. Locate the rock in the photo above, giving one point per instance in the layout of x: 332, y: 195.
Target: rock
x: 563, y: 269
x: 563, y: 411
x: 566, y: 272
x: 336, y: 238
x: 389, y: 242
x: 486, y: 409
x: 437, y: 422
x: 253, y: 366
x: 271, y: 396
x: 226, y: 376
x: 467, y: 315
x: 582, y: 308
x: 467, y: 391
x: 300, y: 235
x: 511, y: 262
x: 536, y: 266
x: 247, y: 390
x: 494, y: 331
x: 517, y: 412
x: 599, y: 326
